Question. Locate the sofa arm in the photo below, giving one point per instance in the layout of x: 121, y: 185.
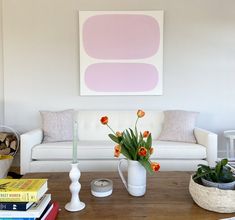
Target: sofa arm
x: 28, y: 141
x: 209, y: 140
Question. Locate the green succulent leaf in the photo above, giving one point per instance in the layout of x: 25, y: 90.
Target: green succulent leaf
x: 223, y: 162
x: 220, y: 173
x: 218, y: 168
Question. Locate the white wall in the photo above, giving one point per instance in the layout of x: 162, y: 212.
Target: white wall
x: 41, y: 59
x: 1, y: 71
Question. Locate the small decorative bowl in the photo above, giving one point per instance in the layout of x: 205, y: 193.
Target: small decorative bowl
x: 226, y: 186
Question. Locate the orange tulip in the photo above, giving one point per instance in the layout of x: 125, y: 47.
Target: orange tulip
x: 146, y: 134
x: 140, y: 113
x: 119, y: 134
x: 104, y: 120
x: 142, y: 151
x: 117, y: 150
x: 155, y: 166
x: 151, y: 150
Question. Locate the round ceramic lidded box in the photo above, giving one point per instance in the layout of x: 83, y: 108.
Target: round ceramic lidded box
x: 211, y: 198
x: 101, y: 187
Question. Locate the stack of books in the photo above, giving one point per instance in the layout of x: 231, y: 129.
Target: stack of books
x: 26, y: 199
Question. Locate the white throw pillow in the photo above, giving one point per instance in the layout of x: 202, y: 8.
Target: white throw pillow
x: 57, y: 126
x: 178, y: 126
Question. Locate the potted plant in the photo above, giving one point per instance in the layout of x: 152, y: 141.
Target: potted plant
x: 219, y: 176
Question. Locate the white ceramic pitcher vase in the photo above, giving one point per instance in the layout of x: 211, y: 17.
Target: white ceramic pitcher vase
x: 136, y: 177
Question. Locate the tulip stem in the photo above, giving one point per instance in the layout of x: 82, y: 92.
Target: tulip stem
x: 136, y: 122
x: 136, y: 132
x: 111, y: 129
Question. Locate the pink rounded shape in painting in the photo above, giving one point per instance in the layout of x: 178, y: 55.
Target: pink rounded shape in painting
x: 121, y: 77
x: 121, y: 36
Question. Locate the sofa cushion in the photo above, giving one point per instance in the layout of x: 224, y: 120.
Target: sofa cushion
x: 178, y: 126
x: 57, y: 126
x: 63, y: 150
x: 90, y: 128
x: 178, y: 150
x: 105, y: 150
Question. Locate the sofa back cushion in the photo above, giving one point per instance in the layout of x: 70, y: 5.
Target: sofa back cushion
x: 90, y: 128
x: 57, y: 126
x: 179, y: 126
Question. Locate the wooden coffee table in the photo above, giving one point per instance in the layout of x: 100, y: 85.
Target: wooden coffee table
x: 167, y: 197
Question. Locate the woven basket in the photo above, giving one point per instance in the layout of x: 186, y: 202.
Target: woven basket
x: 211, y: 198
x: 13, y: 135
x: 5, y: 164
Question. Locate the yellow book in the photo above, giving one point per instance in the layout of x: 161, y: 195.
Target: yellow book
x: 22, y: 190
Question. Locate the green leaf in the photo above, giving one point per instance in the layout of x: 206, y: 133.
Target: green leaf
x: 218, y: 168
x: 147, y: 165
x: 201, y: 175
x: 136, y: 132
x: 119, y: 139
x: 204, y: 167
x: 221, y: 173
x: 223, y: 162
x: 125, y: 152
x: 129, y: 145
x: 199, y: 171
x: 114, y: 138
x: 149, y: 142
x: 134, y: 138
x: 141, y: 140
x: 129, y: 139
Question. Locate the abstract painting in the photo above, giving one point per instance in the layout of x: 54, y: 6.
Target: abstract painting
x: 121, y: 52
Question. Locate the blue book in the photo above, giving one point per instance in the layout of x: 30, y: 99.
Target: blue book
x: 15, y: 206
x: 35, y: 211
x: 17, y: 218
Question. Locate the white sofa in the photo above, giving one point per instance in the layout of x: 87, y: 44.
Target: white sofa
x: 96, y: 150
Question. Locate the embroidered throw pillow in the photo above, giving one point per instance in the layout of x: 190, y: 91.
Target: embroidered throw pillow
x: 57, y: 126
x: 178, y: 126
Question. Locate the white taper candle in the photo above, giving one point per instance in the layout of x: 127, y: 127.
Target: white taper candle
x: 75, y: 141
